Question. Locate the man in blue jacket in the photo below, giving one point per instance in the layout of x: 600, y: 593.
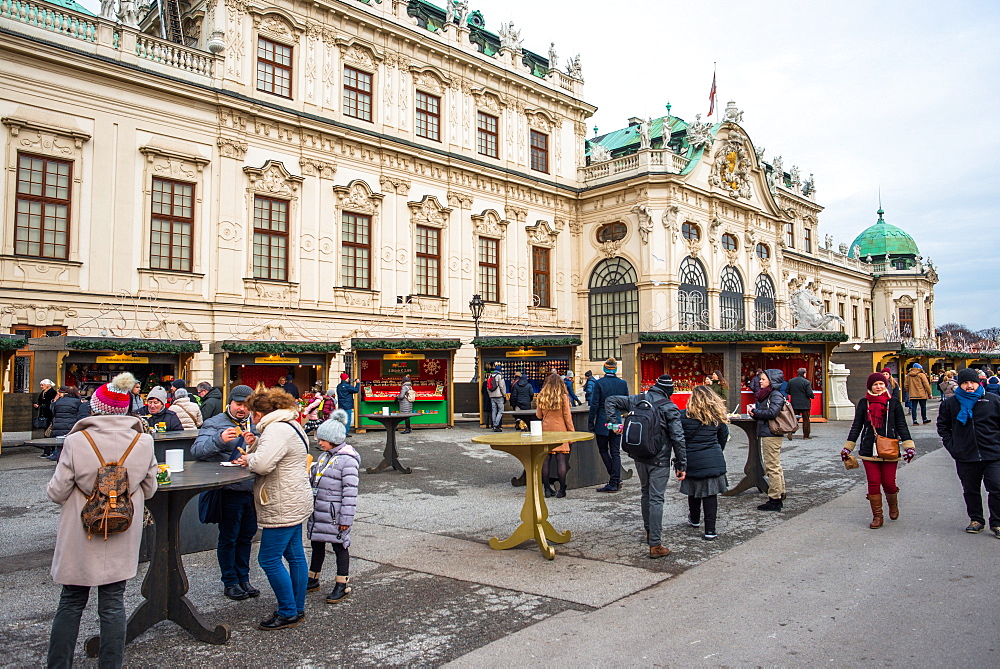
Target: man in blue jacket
x: 608, y: 443
x: 345, y: 397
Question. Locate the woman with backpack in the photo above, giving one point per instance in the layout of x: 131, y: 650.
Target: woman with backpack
x: 878, y: 415
x: 405, y: 399
x: 705, y: 433
x: 552, y: 408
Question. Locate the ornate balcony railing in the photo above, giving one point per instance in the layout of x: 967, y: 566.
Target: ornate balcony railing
x: 645, y: 160
x: 50, y: 17
x: 174, y: 55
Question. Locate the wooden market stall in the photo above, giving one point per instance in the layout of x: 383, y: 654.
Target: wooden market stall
x: 690, y: 357
x: 250, y: 363
x: 534, y: 357
x: 430, y: 364
x: 87, y: 362
x: 863, y: 359
x: 8, y: 346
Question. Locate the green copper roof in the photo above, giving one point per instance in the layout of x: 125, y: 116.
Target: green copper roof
x: 71, y: 5
x: 882, y: 239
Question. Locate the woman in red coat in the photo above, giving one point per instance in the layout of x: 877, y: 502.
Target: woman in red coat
x: 553, y: 409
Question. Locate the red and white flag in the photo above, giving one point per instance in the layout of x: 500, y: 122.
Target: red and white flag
x: 711, y: 97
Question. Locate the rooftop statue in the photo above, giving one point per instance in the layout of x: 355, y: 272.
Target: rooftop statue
x: 510, y: 37
x: 128, y: 13
x: 573, y: 67
x: 699, y: 134
x: 732, y: 113
x: 644, y: 135
x: 108, y: 9
x: 553, y: 56
x: 598, y: 154
x: 806, y: 314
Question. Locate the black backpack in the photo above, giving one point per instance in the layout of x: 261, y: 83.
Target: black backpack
x: 642, y: 433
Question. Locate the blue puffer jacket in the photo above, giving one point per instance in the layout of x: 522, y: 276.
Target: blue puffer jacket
x: 208, y: 446
x: 334, y: 477
x: 66, y: 411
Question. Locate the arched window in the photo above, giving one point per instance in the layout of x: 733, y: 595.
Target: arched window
x: 611, y: 232
x: 692, y: 296
x: 613, y: 305
x: 731, y: 310
x: 729, y: 242
x: 763, y: 305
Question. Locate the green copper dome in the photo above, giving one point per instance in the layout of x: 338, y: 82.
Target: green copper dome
x: 884, y: 239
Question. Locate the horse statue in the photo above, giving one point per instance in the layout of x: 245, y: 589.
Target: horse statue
x: 805, y: 310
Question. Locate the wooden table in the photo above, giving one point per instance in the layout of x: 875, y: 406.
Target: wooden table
x: 753, y: 470
x: 165, y: 585
x: 389, y: 456
x: 531, y: 451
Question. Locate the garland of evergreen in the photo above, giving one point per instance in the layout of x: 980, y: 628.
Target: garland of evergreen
x: 927, y: 353
x: 279, y: 348
x: 405, y: 344
x: 498, y: 342
x: 133, y: 345
x: 741, y: 337
x: 12, y: 343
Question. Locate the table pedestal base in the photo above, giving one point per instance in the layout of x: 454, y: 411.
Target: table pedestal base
x: 165, y: 566
x: 390, y: 458
x: 753, y: 470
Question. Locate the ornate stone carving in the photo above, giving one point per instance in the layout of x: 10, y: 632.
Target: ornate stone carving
x: 519, y: 214
x: 575, y: 227
x: 429, y: 80
x: 171, y: 164
x: 540, y: 121
x: 541, y: 234
x: 732, y: 113
x: 700, y: 134
x: 232, y: 148
x: 904, y: 301
x: 358, y: 55
x: 510, y: 37
x: 644, y: 141
x: 357, y: 196
x: 731, y: 171
x: 459, y: 199
x: 610, y: 248
x: 489, y: 224
x: 273, y: 26
x: 669, y: 220
x: 46, y: 139
x: 645, y: 222
x: 488, y: 100
x: 273, y: 179
x: 804, y: 306
x: 574, y: 68
x: 598, y: 154
x: 428, y: 211
x: 397, y: 185
x: 321, y: 168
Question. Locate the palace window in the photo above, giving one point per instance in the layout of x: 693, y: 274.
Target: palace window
x: 43, y: 202
x: 763, y: 252
x: 790, y: 235
x: 539, y: 151
x: 274, y: 68
x: 540, y: 276
x: 729, y: 242
x: 856, y: 322
x: 613, y: 305
x: 763, y: 305
x: 356, y: 253
x: 691, y: 232
x: 692, y: 296
x: 731, y: 309
x: 172, y: 225
x: 489, y: 269
x: 357, y: 94
x: 428, y: 116
x: 611, y: 232
x: 807, y: 240
x: 487, y: 135
x: 906, y: 321
x: 868, y: 323
x: 270, y: 238
x: 428, y: 261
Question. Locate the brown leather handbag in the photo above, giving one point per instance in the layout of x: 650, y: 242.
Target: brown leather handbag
x: 886, y: 448
x: 851, y: 463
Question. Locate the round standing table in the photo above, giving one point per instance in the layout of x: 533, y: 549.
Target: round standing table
x: 753, y: 470
x: 531, y: 451
x: 165, y: 585
x: 389, y: 456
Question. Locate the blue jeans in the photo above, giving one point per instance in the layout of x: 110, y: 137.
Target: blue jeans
x: 654, y: 480
x: 350, y: 416
x: 923, y: 409
x: 289, y: 585
x: 66, y: 624
x: 236, y: 532
x: 609, y: 445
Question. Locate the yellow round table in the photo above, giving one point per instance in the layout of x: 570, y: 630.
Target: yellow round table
x: 531, y: 451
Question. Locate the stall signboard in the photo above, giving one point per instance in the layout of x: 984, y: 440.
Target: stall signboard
x: 404, y: 356
x: 780, y: 349
x: 400, y: 367
x: 529, y: 353
x: 123, y: 359
x: 681, y: 349
x: 275, y: 360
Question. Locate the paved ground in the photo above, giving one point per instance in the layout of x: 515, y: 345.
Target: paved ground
x: 428, y: 589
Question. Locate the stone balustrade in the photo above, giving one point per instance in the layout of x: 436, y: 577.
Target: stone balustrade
x: 50, y: 17
x: 174, y: 55
x: 645, y: 160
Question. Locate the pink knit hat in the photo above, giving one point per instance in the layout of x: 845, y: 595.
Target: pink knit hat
x: 113, y: 397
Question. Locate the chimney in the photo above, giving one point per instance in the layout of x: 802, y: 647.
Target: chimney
x: 634, y: 121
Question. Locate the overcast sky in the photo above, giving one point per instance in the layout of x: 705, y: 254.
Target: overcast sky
x: 891, y: 94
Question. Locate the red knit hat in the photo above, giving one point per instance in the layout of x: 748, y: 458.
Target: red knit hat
x: 114, y: 397
x: 873, y: 378
x: 344, y: 376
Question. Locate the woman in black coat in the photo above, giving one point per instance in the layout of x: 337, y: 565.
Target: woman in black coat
x: 44, y: 401
x: 705, y: 433
x: 66, y: 411
x: 878, y: 414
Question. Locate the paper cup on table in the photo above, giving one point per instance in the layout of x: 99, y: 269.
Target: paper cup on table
x: 536, y: 428
x: 385, y: 411
x: 175, y: 459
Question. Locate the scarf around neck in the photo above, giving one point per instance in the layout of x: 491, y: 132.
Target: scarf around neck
x: 761, y: 392
x: 878, y: 405
x: 968, y: 400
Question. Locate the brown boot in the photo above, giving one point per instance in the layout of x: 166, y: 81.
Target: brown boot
x: 876, y: 502
x: 892, y: 499
x: 658, y: 551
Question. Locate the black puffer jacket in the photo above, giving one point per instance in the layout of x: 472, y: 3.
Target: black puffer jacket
x: 705, y: 444
x: 863, y: 434
x: 769, y: 408
x: 520, y: 394
x: 66, y: 411
x: 670, y: 425
x: 979, y: 439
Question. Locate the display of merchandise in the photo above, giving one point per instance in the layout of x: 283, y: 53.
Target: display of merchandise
x: 533, y: 370
x: 687, y: 369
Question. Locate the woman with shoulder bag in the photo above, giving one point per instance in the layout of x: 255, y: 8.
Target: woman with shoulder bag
x: 705, y: 433
x: 553, y: 408
x: 880, y: 428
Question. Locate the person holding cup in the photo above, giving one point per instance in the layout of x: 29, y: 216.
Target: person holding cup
x: 156, y: 413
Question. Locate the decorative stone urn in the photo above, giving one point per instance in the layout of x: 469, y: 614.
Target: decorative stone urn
x: 216, y: 42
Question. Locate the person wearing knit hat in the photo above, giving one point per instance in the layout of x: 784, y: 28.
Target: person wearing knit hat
x: 918, y: 389
x: 568, y: 380
x: 993, y: 385
x: 345, y: 396
x: 81, y: 561
x: 969, y: 426
x: 608, y: 442
x: 334, y: 479
x: 157, y: 415
x: 877, y: 415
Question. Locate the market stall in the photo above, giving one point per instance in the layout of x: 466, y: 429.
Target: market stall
x: 692, y: 357
x: 534, y: 357
x: 87, y: 362
x: 254, y: 363
x: 8, y: 345
x: 381, y: 365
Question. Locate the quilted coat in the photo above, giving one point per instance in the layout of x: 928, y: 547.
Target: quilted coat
x: 334, y: 477
x: 278, y: 458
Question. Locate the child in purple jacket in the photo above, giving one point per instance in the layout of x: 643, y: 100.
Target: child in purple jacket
x: 334, y: 479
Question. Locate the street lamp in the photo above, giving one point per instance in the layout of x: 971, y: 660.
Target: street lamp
x: 476, y: 307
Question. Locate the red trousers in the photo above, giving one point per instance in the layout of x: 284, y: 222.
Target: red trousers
x: 881, y: 475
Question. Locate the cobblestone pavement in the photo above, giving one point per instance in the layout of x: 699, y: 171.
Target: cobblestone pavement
x: 427, y: 588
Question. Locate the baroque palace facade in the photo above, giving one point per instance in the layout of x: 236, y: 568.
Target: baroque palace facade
x: 275, y: 169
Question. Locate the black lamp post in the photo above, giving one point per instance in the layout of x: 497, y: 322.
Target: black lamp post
x: 476, y: 307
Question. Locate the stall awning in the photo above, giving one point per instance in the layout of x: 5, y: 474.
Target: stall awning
x: 375, y: 344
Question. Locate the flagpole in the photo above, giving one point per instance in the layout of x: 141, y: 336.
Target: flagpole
x: 715, y: 102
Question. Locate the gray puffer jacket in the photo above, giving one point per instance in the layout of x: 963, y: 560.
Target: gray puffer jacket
x: 334, y: 478
x: 405, y: 405
x: 210, y: 447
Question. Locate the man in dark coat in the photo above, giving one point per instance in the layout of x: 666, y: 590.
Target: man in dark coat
x: 219, y: 440
x: 520, y: 393
x: 608, y: 443
x: 769, y: 401
x: 969, y: 426
x: 286, y: 384
x: 211, y: 400
x: 800, y: 394
x: 345, y: 396
x: 654, y: 473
